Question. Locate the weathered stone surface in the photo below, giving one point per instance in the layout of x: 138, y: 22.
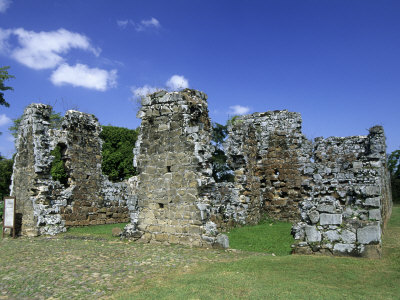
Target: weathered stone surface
x: 266, y: 152
x: 222, y: 241
x: 375, y: 214
x: 330, y: 219
x: 312, y: 234
x: 175, y: 189
x: 46, y: 206
x: 347, y: 183
x: 369, y: 234
x: 314, y: 216
x: 332, y: 235
x: 336, y: 190
x: 344, y: 248
x: 348, y: 237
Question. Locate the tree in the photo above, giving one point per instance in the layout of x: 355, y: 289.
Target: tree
x: 6, y: 167
x: 394, y: 169
x: 394, y: 164
x: 3, y: 77
x: 221, y: 170
x: 117, y: 152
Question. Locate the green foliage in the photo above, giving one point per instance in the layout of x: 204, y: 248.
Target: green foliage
x: 3, y: 77
x: 267, y: 236
x: 118, y: 144
x: 233, y: 120
x: 55, y: 123
x: 394, y: 169
x: 6, y: 167
x: 58, y: 170
x: 221, y: 170
x: 394, y: 164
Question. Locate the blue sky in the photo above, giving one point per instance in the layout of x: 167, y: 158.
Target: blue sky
x: 336, y: 62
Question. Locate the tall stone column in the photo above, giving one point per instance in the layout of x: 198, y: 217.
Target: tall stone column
x: 173, y: 157
x: 31, y: 165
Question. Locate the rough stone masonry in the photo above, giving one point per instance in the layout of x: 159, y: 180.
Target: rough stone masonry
x: 175, y: 186
x: 335, y: 191
x: 45, y: 206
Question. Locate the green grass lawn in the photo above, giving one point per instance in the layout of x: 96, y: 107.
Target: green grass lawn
x: 88, y: 263
x: 98, y: 231
x: 286, y: 277
x: 268, y: 236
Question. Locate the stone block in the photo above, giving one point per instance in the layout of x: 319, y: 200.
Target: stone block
x: 348, y: 236
x: 374, y: 214
x: 369, y: 234
x: 330, y: 219
x: 328, y: 208
x: 332, y: 235
x: 343, y: 248
x: 314, y: 216
x: 161, y: 237
x: 312, y: 234
x: 371, y: 190
x: 222, y: 241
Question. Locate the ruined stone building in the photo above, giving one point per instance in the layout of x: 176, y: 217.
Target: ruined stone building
x: 45, y: 206
x: 335, y: 191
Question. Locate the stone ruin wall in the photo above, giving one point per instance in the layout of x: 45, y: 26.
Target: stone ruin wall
x: 266, y: 152
x: 348, y: 200
x: 336, y: 191
x: 45, y: 206
x: 173, y: 159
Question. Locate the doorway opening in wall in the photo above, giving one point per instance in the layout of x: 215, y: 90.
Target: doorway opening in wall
x: 58, y: 169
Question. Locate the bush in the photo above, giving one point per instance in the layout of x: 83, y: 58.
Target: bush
x: 6, y: 167
x: 117, y: 152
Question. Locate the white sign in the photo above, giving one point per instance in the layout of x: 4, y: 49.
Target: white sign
x: 9, y: 208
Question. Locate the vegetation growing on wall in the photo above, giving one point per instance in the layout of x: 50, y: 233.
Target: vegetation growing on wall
x: 117, y: 152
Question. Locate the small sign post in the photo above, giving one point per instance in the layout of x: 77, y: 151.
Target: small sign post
x: 9, y: 214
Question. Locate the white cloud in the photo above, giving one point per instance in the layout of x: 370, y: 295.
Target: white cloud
x: 238, y: 110
x: 177, y: 82
x: 122, y: 23
x: 4, y: 120
x: 83, y: 76
x: 141, y: 26
x: 42, y: 50
x: 139, y: 92
x: 4, y: 35
x: 153, y: 22
x: 4, y: 5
